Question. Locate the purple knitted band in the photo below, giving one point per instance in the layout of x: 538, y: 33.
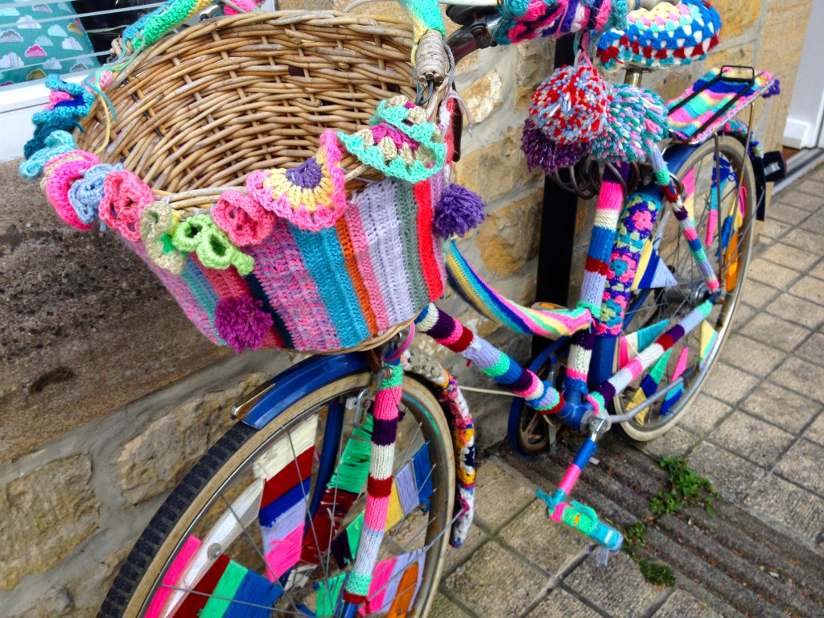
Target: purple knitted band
x: 383, y: 432
x: 307, y: 175
x: 681, y: 214
x: 442, y: 328
x: 607, y: 391
x: 522, y: 383
x: 676, y: 332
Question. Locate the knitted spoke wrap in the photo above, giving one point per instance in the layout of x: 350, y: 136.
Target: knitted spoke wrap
x: 124, y: 198
x: 200, y: 235
x: 665, y: 35
x: 156, y: 223
x: 450, y: 333
x: 379, y: 484
x: 85, y: 194
x: 310, y: 196
x: 529, y: 19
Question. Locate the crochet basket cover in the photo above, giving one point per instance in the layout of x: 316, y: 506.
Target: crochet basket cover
x: 296, y: 260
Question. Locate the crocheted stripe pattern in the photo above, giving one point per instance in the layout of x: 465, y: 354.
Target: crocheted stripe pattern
x: 463, y: 436
x: 637, y: 220
x: 379, y: 483
x: 486, y: 301
x: 609, y: 206
x: 685, y: 121
x: 646, y: 358
x: 524, y: 19
x: 663, y: 36
x: 450, y: 333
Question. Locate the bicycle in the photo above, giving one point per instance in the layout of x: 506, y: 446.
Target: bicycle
x: 308, y: 441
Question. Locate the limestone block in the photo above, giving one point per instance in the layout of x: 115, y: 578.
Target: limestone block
x: 484, y: 96
x: 43, y: 516
x: 509, y: 237
x: 736, y: 15
x: 533, y: 64
x: 55, y: 604
x: 158, y: 458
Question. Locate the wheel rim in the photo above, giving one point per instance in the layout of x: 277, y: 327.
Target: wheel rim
x: 417, y: 432
x: 675, y: 302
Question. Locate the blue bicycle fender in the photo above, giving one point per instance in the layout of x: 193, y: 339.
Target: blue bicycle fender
x: 301, y: 380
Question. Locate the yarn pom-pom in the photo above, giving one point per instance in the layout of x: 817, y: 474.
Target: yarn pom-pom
x: 571, y: 106
x: 242, y: 322
x: 546, y: 155
x: 637, y: 119
x: 458, y: 212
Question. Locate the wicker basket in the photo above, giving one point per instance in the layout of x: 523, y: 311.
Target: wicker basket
x: 201, y: 110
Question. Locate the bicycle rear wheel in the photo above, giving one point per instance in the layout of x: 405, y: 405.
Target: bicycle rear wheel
x: 254, y: 517
x: 733, y: 198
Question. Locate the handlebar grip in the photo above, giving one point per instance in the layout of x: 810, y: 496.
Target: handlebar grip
x: 583, y: 520
x: 430, y: 59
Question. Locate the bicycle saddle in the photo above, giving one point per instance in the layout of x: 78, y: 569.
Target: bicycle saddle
x: 666, y: 35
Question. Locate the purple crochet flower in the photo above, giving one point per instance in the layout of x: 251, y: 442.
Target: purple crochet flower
x: 307, y: 175
x: 546, y: 155
x: 242, y: 322
x: 458, y: 212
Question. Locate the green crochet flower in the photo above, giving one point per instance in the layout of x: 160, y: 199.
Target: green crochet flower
x: 201, y: 235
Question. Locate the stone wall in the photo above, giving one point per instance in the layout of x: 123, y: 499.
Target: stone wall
x: 108, y: 395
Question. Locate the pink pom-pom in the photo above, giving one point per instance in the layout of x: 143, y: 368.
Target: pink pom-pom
x: 244, y: 220
x: 242, y: 322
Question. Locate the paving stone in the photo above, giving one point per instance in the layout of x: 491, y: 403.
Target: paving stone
x: 818, y: 270
x: 804, y: 464
x: 494, y: 583
x: 774, y: 331
x: 730, y: 474
x: 771, y: 273
x: 797, y: 310
x: 812, y: 187
x: 728, y: 383
x: 561, y: 603
x: 810, y: 289
x: 675, y: 443
x: 802, y: 377
x: 444, y: 608
x: 815, y: 223
x: 815, y: 431
x: 781, y: 407
x: 618, y: 588
x: 473, y: 540
x: 683, y: 605
x: 788, y: 214
x: 549, y: 545
x: 750, y: 355
x: 752, y: 439
x: 786, y: 255
x: 812, y: 349
x: 704, y: 413
x: 789, y: 505
x: 498, y: 496
x: 773, y: 229
x: 757, y: 294
x: 805, y: 241
x: 801, y: 200
x: 742, y: 314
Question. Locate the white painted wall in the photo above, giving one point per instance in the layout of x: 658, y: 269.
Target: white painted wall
x: 807, y: 105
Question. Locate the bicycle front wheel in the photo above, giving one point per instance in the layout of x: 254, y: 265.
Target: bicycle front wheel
x: 267, y: 523
x: 720, y: 193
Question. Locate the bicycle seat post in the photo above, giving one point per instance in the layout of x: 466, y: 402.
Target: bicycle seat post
x: 633, y: 77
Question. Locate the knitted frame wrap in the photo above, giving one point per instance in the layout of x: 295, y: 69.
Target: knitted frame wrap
x: 530, y: 19
x: 667, y: 35
x: 685, y: 121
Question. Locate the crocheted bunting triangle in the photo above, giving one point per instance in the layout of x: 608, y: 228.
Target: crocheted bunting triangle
x: 401, y: 142
x: 312, y: 196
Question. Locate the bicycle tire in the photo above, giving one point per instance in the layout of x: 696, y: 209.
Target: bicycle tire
x: 733, y: 150
x: 171, y: 524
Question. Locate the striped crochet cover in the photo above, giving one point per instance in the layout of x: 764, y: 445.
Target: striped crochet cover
x: 685, y: 121
x: 332, y: 289
x: 486, y: 301
x: 663, y: 36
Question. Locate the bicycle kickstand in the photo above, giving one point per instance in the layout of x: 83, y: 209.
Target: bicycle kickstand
x: 574, y: 515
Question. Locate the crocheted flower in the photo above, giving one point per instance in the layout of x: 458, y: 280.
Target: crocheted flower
x: 86, y: 193
x: 312, y: 196
x: 242, y: 218
x: 199, y: 234
x: 242, y: 322
x: 642, y: 220
x: 60, y: 115
x: 61, y: 175
x: 401, y: 142
x: 459, y: 211
x: 57, y: 143
x: 571, y: 106
x: 156, y: 222
x: 124, y: 198
x: 545, y: 155
x: 637, y: 120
